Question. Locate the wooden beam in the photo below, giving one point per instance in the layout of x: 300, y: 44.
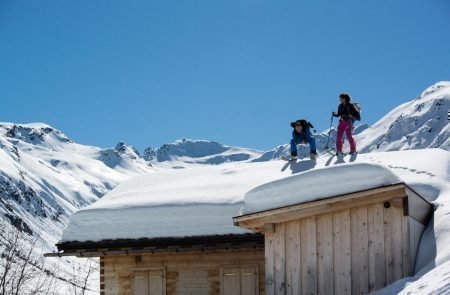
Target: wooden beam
x: 257, y: 220
x: 269, y: 228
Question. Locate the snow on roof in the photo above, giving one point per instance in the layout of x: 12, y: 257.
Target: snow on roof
x: 202, y: 201
x: 318, y: 184
x: 172, y: 203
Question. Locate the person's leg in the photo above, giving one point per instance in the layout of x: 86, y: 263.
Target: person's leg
x: 340, y: 135
x: 351, y: 140
x: 293, y: 147
x: 312, y: 142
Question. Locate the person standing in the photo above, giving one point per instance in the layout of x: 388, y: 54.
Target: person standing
x: 347, y: 114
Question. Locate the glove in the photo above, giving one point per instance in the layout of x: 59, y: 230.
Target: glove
x: 334, y: 114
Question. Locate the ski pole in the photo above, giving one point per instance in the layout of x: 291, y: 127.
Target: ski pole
x: 329, y: 132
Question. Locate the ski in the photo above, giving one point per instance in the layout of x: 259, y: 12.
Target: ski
x: 334, y: 153
x: 288, y: 158
x: 330, y: 151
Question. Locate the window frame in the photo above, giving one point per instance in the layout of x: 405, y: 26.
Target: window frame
x: 148, y: 269
x: 239, y: 267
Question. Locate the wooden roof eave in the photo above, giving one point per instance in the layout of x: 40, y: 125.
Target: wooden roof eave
x: 258, y: 221
x: 217, y: 243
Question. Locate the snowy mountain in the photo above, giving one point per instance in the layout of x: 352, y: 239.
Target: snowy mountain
x: 417, y: 124
x: 45, y: 177
x: 125, y: 158
x: 198, y: 152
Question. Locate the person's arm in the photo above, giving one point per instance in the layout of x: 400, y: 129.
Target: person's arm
x: 338, y: 113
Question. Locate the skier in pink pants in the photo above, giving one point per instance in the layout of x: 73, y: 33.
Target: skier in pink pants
x: 348, y: 114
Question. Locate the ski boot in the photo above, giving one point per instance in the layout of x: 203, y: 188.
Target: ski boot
x: 340, y: 154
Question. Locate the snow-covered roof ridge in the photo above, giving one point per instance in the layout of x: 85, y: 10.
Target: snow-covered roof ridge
x: 310, y: 185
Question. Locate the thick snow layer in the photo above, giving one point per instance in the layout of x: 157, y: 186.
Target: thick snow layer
x: 318, y: 184
x: 172, y: 203
x: 202, y: 201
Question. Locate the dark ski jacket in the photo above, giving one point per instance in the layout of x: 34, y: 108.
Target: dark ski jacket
x: 345, y: 110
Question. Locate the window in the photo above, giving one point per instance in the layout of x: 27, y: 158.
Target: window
x: 239, y: 280
x: 149, y: 282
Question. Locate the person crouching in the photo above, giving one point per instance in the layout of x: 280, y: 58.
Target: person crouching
x: 302, y: 134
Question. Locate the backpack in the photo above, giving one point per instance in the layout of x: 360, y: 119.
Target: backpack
x: 356, y: 112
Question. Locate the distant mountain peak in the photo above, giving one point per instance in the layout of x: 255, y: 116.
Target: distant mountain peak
x: 417, y: 124
x: 189, y: 151
x: 33, y: 133
x: 434, y: 88
x: 124, y: 148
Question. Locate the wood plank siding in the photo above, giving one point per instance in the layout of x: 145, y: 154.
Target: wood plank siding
x: 233, y: 273
x: 351, y: 244
x: 352, y: 251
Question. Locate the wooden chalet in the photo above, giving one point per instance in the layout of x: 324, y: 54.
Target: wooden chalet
x: 290, y: 241
x: 347, y: 244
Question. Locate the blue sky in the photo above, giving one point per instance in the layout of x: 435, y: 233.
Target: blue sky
x: 234, y: 71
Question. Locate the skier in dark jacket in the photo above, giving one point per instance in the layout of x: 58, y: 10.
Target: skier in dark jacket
x: 347, y: 113
x: 302, y: 134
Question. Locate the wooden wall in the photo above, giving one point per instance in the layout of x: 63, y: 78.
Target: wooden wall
x: 187, y: 273
x: 352, y: 251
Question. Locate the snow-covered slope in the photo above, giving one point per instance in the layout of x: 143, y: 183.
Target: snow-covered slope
x: 417, y: 124
x: 45, y: 177
x: 187, y: 152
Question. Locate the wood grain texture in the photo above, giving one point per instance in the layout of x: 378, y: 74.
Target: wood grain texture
x: 185, y: 273
x: 325, y: 265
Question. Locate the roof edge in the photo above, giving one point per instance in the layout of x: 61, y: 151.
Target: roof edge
x: 171, y: 244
